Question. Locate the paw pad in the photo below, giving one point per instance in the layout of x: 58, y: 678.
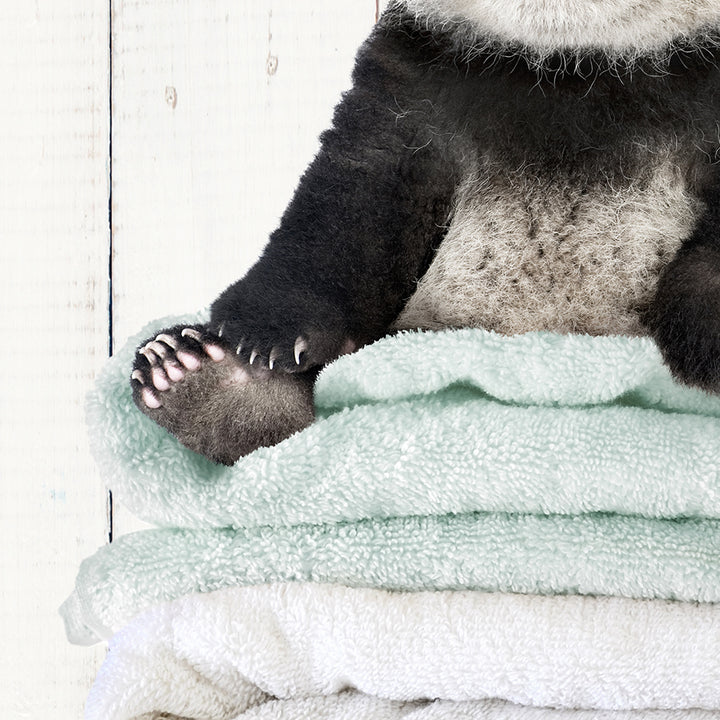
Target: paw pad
x: 164, y: 361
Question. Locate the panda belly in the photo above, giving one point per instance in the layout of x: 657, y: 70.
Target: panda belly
x: 528, y: 252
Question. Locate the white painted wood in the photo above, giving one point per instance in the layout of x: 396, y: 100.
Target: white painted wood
x: 217, y: 111
x: 54, y: 325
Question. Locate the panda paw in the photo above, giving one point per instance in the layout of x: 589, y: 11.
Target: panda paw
x: 685, y: 318
x: 194, y: 385
x: 164, y: 362
x: 691, y: 351
x: 289, y: 351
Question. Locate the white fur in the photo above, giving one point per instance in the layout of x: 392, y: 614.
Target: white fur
x: 523, y: 254
x: 617, y: 27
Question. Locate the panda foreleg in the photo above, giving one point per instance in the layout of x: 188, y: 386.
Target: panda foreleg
x: 685, y: 315
x: 359, y: 232
x: 194, y: 386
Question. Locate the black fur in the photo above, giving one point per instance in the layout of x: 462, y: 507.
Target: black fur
x: 366, y: 216
x: 372, y: 208
x: 685, y: 315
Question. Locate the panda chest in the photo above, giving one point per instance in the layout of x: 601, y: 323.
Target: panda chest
x: 526, y: 253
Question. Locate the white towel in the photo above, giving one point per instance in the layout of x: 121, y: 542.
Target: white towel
x: 355, y: 706
x: 222, y: 654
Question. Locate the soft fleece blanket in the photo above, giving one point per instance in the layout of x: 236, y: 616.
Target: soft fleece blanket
x: 459, y: 460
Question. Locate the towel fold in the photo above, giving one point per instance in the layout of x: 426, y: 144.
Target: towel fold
x: 590, y: 555
x: 356, y: 706
x: 467, y: 421
x: 219, y: 655
x: 487, y: 523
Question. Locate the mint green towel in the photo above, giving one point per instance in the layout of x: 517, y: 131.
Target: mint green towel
x: 586, y: 555
x: 532, y: 464
x: 436, y: 423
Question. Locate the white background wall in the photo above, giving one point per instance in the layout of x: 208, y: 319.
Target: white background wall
x: 216, y: 111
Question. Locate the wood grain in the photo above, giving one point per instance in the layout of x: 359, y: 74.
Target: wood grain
x: 54, y: 329
x: 217, y: 109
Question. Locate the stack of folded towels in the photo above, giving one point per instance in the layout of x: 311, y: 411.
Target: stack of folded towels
x: 476, y: 526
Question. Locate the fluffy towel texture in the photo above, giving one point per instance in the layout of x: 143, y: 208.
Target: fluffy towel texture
x: 355, y: 706
x: 467, y: 421
x: 220, y: 655
x: 591, y: 555
x: 490, y: 446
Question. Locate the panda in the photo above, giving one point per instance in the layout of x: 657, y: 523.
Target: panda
x: 515, y: 166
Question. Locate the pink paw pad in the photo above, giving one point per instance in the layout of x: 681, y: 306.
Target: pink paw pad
x: 189, y: 361
x: 150, y: 399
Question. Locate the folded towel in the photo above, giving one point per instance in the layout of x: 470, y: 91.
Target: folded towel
x: 219, y: 655
x: 467, y: 421
x: 531, y: 464
x: 356, y: 706
x: 590, y: 555
x: 609, y: 430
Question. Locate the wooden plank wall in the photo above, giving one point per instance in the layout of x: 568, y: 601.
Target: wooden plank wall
x: 214, y: 120
x: 54, y: 243
x: 216, y: 109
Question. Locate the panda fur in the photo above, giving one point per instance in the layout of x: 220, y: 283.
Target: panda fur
x: 511, y: 165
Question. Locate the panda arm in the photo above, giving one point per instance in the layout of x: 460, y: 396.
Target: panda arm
x: 685, y: 315
x: 364, y: 221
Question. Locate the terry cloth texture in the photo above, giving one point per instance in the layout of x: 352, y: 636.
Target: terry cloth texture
x: 223, y: 654
x: 465, y: 463
x: 437, y: 423
x: 589, y: 555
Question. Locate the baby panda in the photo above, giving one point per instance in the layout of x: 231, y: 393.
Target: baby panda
x: 515, y: 166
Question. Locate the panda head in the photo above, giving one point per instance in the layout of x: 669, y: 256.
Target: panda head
x: 617, y: 29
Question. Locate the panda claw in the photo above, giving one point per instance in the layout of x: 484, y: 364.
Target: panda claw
x: 168, y: 340
x: 191, y: 332
x: 149, y: 355
x: 158, y: 348
x: 137, y: 375
x: 273, y: 357
x: 253, y: 356
x: 300, y: 347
